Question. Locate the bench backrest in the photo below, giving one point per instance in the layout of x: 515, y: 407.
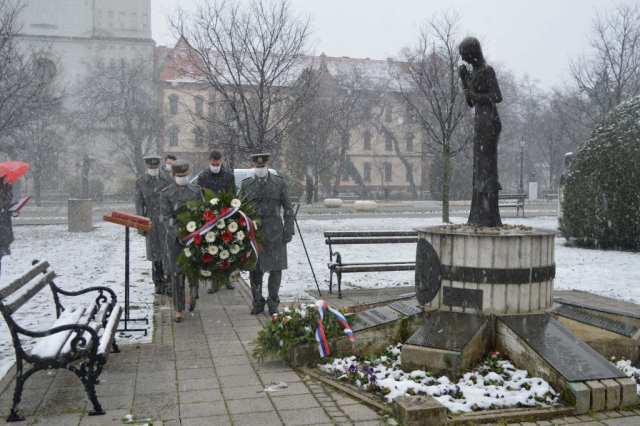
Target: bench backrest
x: 511, y: 196
x: 23, y: 288
x: 365, y: 234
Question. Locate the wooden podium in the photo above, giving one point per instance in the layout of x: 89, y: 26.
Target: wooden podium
x: 142, y: 224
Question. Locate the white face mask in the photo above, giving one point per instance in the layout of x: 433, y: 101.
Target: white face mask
x: 153, y: 172
x: 182, y: 180
x: 262, y: 172
x: 167, y: 168
x: 215, y: 169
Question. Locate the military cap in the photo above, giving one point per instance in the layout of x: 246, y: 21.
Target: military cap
x: 260, y: 159
x: 180, y: 168
x: 152, y: 161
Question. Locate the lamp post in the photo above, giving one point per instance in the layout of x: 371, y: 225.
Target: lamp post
x: 521, y: 167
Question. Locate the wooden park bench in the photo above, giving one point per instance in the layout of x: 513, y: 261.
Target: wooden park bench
x: 512, y: 200
x: 365, y: 237
x: 550, y: 194
x: 84, y: 333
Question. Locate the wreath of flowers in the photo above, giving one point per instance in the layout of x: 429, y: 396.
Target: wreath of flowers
x: 220, y: 238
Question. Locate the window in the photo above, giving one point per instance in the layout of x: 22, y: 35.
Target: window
x: 345, y: 173
x: 213, y: 113
x: 46, y: 69
x: 173, y: 104
x: 110, y: 19
x: 387, y: 113
x: 122, y: 18
x: 367, y: 140
x: 134, y: 20
x: 199, y: 105
x: 409, y: 139
x: 387, y: 172
x: 173, y: 136
x: 199, y: 137
x: 388, y: 143
x: 367, y: 112
x: 99, y: 18
x: 367, y: 172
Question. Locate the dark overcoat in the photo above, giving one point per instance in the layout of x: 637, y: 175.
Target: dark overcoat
x: 219, y: 183
x: 148, y: 190
x: 269, y: 202
x: 6, y: 230
x: 172, y: 203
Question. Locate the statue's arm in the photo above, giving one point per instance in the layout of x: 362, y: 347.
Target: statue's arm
x: 493, y: 95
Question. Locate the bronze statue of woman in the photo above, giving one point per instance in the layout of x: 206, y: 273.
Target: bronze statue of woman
x: 481, y: 91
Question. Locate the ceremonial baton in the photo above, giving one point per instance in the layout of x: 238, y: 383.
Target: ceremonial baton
x: 295, y: 219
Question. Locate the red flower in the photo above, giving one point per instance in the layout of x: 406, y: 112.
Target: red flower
x: 241, y: 221
x: 197, y: 238
x: 227, y: 236
x: 225, y: 265
x: 206, y: 258
x: 242, y: 259
x: 208, y: 215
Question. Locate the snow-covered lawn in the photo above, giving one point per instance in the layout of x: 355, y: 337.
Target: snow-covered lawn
x: 80, y: 260
x: 607, y: 273
x: 495, y: 383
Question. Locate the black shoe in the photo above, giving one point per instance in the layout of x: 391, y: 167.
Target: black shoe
x: 257, y: 310
x: 230, y: 286
x: 159, y: 290
x: 273, y: 311
x: 168, y: 293
x: 192, y: 306
x: 212, y: 290
x: 177, y: 319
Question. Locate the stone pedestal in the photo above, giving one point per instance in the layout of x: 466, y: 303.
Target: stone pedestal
x: 485, y: 272
x: 332, y: 203
x: 365, y: 206
x: 533, y: 190
x: 80, y: 215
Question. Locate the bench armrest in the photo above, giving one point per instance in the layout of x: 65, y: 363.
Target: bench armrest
x: 60, y: 329
x: 101, y: 298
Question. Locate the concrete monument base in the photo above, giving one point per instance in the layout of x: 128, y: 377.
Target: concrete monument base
x: 80, y: 215
x: 365, y: 206
x: 332, y: 203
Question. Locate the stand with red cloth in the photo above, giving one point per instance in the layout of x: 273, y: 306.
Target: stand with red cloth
x: 142, y: 224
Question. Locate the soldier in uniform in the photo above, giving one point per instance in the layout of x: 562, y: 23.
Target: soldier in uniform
x: 148, y: 189
x: 172, y: 202
x: 6, y: 230
x: 269, y: 194
x: 219, y: 180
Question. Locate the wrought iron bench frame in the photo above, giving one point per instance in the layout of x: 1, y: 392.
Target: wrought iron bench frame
x: 82, y: 343
x: 365, y: 237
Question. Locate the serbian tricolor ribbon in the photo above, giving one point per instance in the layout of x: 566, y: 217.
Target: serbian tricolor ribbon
x: 225, y: 213
x: 323, y: 344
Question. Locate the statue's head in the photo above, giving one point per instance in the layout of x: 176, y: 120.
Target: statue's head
x: 470, y: 51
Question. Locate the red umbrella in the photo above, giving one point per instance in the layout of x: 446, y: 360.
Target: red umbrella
x: 13, y: 170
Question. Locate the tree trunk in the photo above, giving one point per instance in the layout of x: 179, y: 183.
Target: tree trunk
x: 446, y: 159
x: 37, y: 186
x: 344, y: 146
x: 408, y: 167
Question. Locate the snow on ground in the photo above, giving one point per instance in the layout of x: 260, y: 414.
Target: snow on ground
x: 607, y: 273
x: 80, y: 260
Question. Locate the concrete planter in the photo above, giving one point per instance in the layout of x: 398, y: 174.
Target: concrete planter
x: 80, y: 215
x: 365, y: 206
x: 332, y: 203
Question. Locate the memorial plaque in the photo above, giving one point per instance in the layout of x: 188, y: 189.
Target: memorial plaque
x: 406, y: 308
x: 462, y: 297
x: 594, y: 320
x: 447, y: 330
x: 428, y: 272
x: 372, y: 318
x: 568, y: 355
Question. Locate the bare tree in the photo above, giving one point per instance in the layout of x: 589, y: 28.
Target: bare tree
x: 26, y: 76
x: 430, y: 88
x: 611, y: 75
x: 252, y: 57
x: 118, y: 102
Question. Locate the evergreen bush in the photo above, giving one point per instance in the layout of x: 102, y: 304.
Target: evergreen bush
x: 601, y: 206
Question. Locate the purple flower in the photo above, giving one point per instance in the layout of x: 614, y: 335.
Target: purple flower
x: 353, y: 369
x: 373, y: 378
x: 369, y: 370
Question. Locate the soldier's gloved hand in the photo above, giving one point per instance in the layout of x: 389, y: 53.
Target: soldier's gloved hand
x: 287, y: 237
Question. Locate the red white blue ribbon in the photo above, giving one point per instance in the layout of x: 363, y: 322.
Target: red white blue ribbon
x: 252, y: 235
x: 323, y: 344
x: 226, y: 212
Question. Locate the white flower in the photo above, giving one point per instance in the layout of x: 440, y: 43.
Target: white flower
x: 210, y: 237
x: 234, y: 249
x: 224, y: 254
x: 240, y: 236
x: 220, y: 224
x: 191, y: 226
x: 236, y: 203
x: 205, y: 273
x: 233, y: 227
x: 213, y: 250
x: 187, y: 252
x: 214, y: 201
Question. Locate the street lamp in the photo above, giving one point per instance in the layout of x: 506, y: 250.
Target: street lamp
x: 521, y: 167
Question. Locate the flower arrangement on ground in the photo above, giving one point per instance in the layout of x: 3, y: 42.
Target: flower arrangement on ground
x: 297, y: 325
x: 220, y: 238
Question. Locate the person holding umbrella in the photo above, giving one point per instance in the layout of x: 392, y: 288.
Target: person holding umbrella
x: 9, y: 172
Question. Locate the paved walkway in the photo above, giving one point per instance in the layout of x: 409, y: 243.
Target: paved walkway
x: 198, y: 372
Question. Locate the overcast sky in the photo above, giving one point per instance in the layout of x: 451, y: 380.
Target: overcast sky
x: 534, y: 37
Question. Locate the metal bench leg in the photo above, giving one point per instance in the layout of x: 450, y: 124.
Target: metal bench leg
x: 114, y: 347
x: 17, y: 394
x: 330, y: 281
x: 339, y: 275
x: 90, y: 387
